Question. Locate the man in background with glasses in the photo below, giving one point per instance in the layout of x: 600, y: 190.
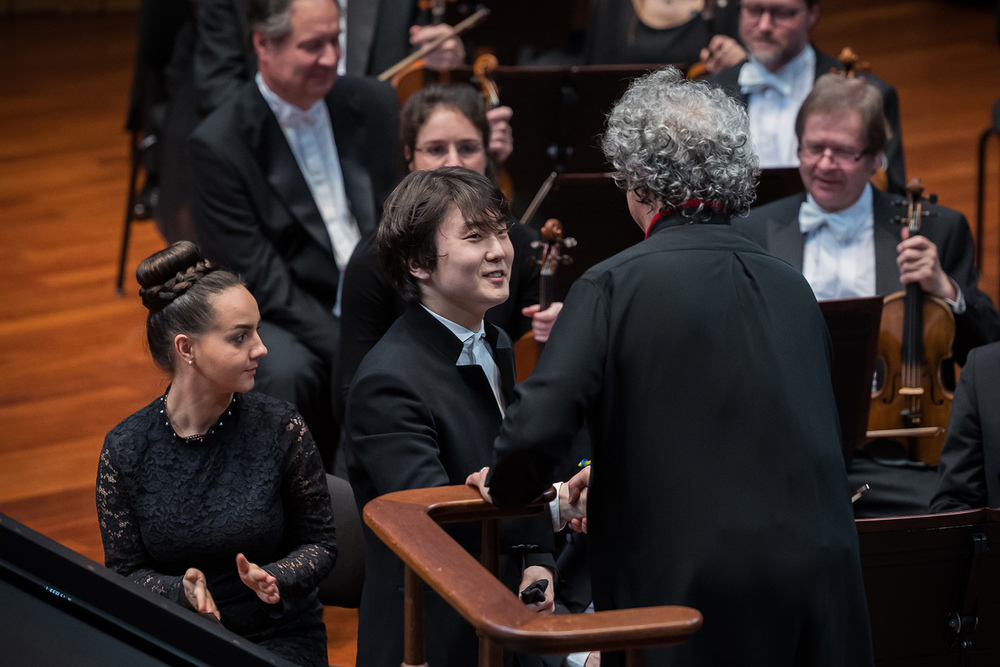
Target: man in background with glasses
x: 781, y: 68
x: 840, y: 233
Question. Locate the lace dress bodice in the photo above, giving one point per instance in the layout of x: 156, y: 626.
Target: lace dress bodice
x: 254, y: 484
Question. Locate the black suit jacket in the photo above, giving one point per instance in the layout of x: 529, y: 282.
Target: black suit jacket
x: 370, y: 304
x: 776, y: 227
x: 728, y: 79
x: 702, y: 366
x: 254, y: 213
x: 223, y: 56
x: 378, y: 35
x: 416, y: 420
x: 969, y: 471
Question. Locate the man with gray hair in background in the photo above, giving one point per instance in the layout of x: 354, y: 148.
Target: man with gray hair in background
x: 287, y: 175
x: 701, y: 365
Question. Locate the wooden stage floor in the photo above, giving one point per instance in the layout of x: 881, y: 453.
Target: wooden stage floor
x: 72, y: 357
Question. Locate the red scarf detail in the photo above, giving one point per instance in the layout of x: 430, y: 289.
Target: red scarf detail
x: 690, y: 203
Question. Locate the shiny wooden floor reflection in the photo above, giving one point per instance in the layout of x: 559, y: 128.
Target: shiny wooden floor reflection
x: 72, y: 357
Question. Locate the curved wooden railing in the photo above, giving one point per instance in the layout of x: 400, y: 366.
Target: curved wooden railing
x: 408, y: 522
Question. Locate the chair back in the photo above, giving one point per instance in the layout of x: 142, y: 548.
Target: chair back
x: 342, y: 588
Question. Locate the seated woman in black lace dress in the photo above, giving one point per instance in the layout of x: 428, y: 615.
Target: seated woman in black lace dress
x: 211, y: 496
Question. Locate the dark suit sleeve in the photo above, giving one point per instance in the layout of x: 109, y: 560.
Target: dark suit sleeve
x: 221, y: 54
x: 980, y: 323
x: 962, y: 472
x: 228, y: 227
x: 538, y: 429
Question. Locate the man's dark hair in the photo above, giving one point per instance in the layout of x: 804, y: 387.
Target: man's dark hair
x: 272, y: 17
x: 407, y: 234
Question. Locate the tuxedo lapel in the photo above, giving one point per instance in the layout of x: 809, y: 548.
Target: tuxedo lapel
x: 503, y: 355
x: 268, y: 145
x: 784, y: 238
x: 443, y: 342
x: 824, y: 63
x: 887, y: 237
x: 350, y: 133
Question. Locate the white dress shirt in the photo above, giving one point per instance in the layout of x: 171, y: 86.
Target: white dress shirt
x: 475, y: 351
x: 310, y: 136
x: 773, y: 101
x: 342, y: 63
x: 838, y: 257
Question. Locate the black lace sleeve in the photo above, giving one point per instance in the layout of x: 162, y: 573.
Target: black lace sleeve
x: 123, y: 547
x: 309, y: 529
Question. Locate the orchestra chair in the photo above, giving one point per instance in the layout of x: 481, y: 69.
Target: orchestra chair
x: 342, y: 587
x: 408, y: 523
x: 136, y: 207
x: 931, y: 582
x: 992, y: 131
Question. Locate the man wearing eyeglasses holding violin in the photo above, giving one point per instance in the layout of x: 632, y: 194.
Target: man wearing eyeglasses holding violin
x: 780, y: 71
x: 840, y: 233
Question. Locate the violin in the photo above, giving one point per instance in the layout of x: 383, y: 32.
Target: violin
x: 552, y: 256
x: 915, y: 341
x: 407, y: 76
x: 482, y: 71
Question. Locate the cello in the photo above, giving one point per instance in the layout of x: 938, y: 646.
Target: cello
x: 912, y: 403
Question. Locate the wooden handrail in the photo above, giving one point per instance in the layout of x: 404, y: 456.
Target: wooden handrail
x: 407, y: 521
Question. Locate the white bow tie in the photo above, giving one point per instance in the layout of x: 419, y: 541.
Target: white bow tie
x: 294, y: 117
x: 844, y: 226
x: 754, y: 78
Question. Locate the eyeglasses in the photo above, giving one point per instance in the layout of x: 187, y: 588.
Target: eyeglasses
x: 811, y: 154
x: 439, y: 150
x: 778, y: 14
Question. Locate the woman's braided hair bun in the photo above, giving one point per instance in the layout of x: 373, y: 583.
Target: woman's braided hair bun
x: 170, y: 273
x: 165, y: 277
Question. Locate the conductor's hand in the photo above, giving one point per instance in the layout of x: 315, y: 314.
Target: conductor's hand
x: 918, y: 262
x: 534, y: 573
x: 542, y: 320
x: 259, y: 581
x: 448, y: 56
x: 477, y: 480
x: 196, y: 592
x: 501, y: 134
x: 722, y: 52
x: 573, y: 497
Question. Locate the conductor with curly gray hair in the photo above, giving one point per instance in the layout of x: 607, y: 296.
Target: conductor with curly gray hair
x: 701, y: 365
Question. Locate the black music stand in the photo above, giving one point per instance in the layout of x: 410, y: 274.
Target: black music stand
x: 778, y: 183
x: 60, y: 608
x: 559, y: 116
x: 854, y: 328
x: 514, y: 25
x: 931, y: 583
x: 593, y: 210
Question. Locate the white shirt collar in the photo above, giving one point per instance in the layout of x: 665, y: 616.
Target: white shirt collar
x: 861, y: 208
x: 460, y: 332
x: 800, y: 64
x: 288, y: 114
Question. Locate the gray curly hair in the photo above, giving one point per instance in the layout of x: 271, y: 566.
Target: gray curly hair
x: 672, y: 140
